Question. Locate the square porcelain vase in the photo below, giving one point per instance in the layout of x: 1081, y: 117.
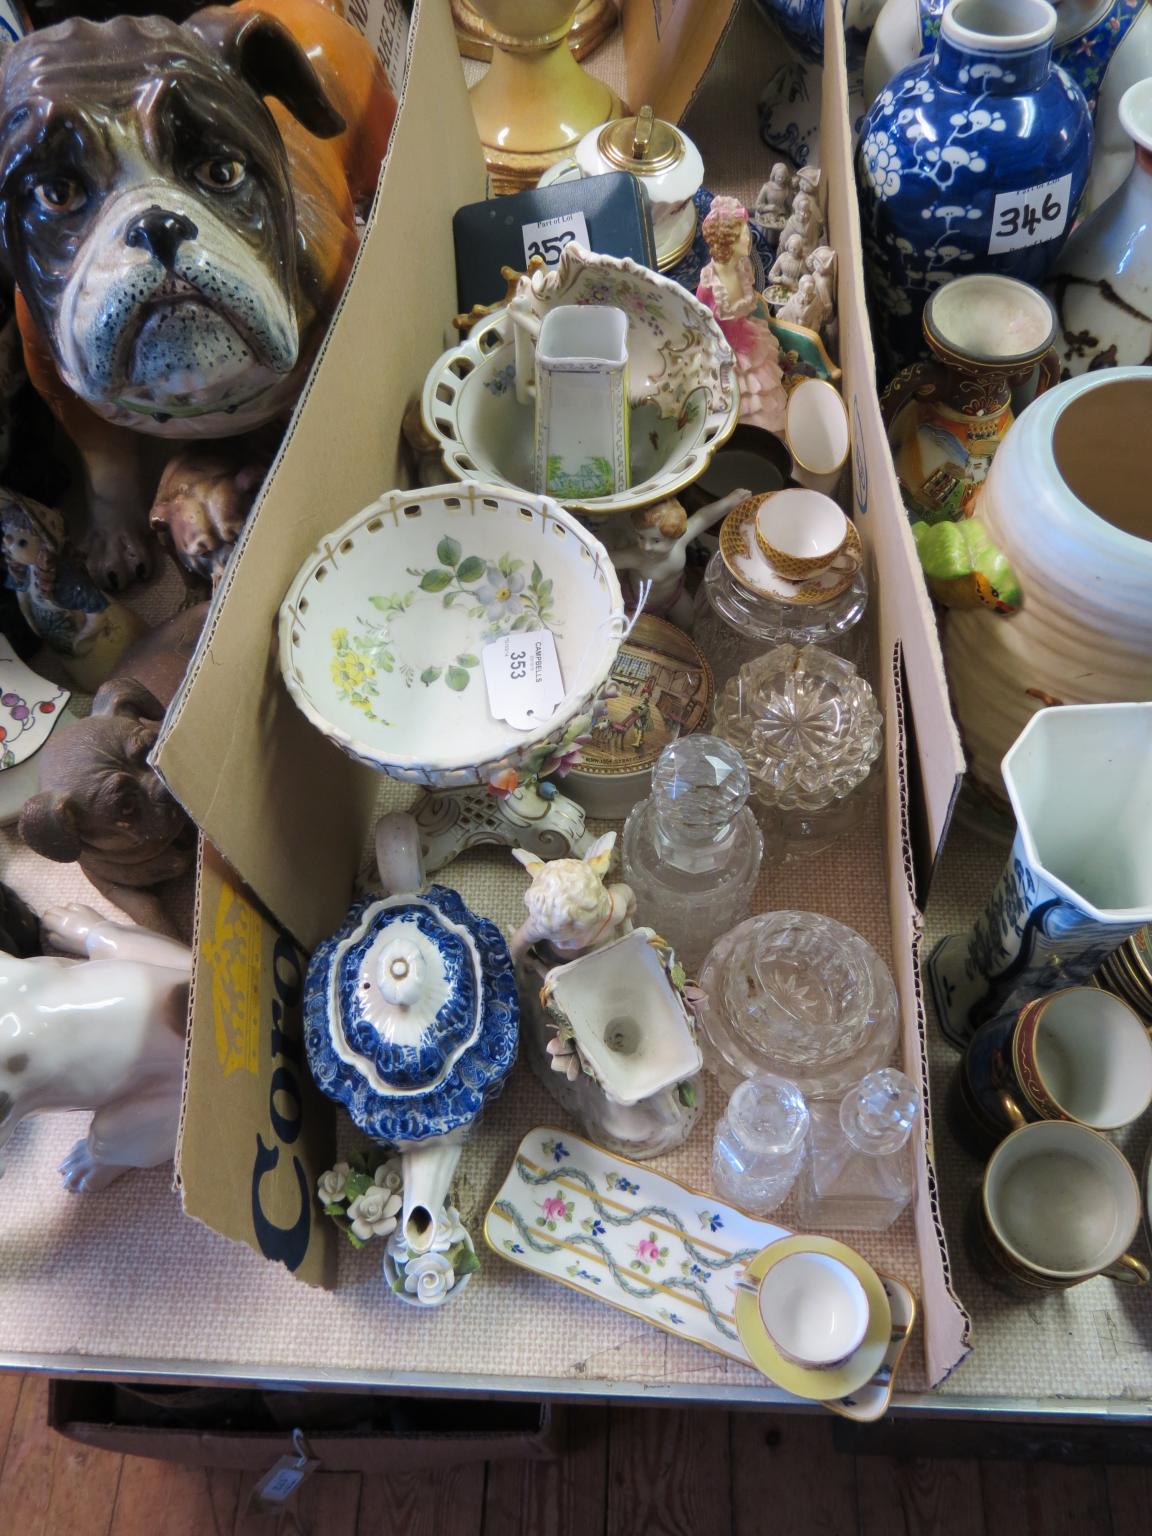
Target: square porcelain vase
x: 582, y: 401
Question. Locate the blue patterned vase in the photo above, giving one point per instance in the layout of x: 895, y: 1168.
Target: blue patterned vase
x: 971, y: 160
x: 802, y: 23
x: 1082, y: 48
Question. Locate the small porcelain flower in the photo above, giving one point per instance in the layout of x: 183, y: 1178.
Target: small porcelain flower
x: 565, y: 1057
x: 374, y: 1213
x: 449, y: 1230
x: 429, y: 1277
x: 331, y: 1185
x: 503, y: 783
x: 390, y: 1176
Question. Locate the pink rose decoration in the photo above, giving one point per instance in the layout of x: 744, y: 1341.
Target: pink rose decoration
x: 554, y: 1209
x: 647, y: 1249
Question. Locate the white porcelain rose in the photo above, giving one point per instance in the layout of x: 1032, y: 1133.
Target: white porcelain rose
x: 331, y: 1185
x: 429, y: 1277
x: 390, y: 1176
x: 375, y: 1213
x: 438, y: 1275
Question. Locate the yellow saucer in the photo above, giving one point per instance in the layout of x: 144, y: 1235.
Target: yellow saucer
x: 797, y: 1379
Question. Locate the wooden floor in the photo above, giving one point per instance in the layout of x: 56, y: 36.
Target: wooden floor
x: 628, y: 1472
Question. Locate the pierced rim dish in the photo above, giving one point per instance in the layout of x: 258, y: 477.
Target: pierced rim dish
x: 383, y: 629
x: 470, y: 407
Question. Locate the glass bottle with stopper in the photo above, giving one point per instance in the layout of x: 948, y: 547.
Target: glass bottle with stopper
x: 692, y: 849
x: 860, y: 1171
x: 759, y: 1144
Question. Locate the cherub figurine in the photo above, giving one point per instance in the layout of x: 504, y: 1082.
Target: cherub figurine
x: 569, y: 906
x: 788, y: 267
x: 728, y: 287
x: 59, y: 600
x: 663, y: 533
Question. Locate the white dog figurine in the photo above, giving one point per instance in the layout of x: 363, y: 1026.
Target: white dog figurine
x: 569, y: 906
x: 105, y: 1034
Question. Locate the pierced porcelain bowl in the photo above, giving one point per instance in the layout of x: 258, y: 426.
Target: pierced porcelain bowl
x: 383, y: 630
x: 681, y: 385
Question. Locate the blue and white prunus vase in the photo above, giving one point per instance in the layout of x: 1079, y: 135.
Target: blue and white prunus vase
x: 802, y: 23
x: 973, y: 159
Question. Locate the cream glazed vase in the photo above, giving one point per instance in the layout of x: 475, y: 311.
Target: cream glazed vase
x: 1067, y: 501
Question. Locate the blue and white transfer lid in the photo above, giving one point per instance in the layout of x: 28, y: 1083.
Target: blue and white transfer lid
x: 411, y: 1014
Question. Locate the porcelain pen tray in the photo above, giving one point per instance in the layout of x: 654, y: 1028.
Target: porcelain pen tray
x: 627, y: 1235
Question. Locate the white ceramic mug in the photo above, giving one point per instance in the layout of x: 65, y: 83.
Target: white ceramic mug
x: 1060, y: 1205
x: 814, y: 1310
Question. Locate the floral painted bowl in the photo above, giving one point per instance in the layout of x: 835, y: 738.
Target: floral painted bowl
x: 382, y: 633
x: 478, y: 402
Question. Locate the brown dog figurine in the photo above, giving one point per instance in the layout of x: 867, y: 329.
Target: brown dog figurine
x: 201, y: 503
x: 179, y: 243
x: 100, y: 804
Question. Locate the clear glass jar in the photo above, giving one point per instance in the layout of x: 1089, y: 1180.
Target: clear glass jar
x: 692, y: 849
x: 798, y: 995
x: 759, y: 1144
x: 859, y: 1173
x: 732, y: 624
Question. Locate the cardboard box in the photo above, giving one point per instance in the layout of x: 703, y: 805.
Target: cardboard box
x: 412, y: 1433
x: 291, y: 814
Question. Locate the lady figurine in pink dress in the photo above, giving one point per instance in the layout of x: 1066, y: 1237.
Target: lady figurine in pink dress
x: 728, y: 287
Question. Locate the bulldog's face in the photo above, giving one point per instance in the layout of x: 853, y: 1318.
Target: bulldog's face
x: 145, y: 207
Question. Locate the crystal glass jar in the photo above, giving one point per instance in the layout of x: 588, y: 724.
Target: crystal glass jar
x: 759, y: 1144
x: 798, y: 995
x: 733, y: 624
x: 806, y: 724
x: 692, y: 849
x: 859, y: 1172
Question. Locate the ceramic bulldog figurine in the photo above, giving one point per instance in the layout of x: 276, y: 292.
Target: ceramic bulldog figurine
x: 177, y: 244
x: 100, y: 804
x: 106, y: 1035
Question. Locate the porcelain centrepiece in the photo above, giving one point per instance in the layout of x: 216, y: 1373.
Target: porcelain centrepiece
x: 383, y: 631
x: 974, y: 159
x: 478, y: 398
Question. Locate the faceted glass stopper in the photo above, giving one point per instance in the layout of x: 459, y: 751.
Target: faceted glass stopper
x: 878, y: 1114
x: 699, y: 786
x: 769, y: 1114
